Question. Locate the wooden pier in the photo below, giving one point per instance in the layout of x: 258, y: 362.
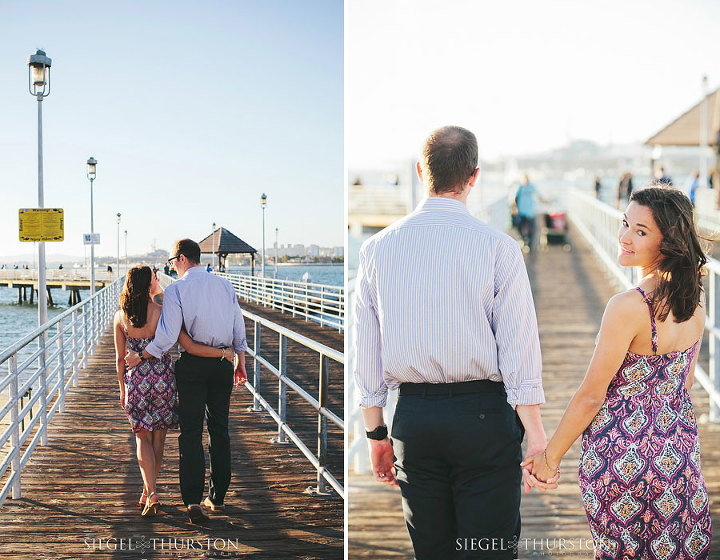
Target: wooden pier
x: 80, y: 491
x: 26, y: 282
x: 570, y: 290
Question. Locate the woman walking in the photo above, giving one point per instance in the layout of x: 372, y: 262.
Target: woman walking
x: 640, y: 478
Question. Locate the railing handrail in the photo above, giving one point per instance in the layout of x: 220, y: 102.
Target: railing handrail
x: 268, y: 280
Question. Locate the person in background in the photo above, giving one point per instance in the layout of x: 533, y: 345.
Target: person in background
x: 694, y: 186
x: 526, y: 203
x: 625, y: 188
x: 598, y: 187
x: 662, y: 178
x: 208, y: 268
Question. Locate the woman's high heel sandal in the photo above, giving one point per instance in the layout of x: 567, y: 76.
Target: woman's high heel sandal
x: 151, y: 505
x: 143, y: 499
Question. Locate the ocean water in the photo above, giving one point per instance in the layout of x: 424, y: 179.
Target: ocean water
x: 17, y: 320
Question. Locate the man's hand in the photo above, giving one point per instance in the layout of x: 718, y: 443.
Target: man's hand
x: 132, y: 359
x: 382, y: 461
x: 240, y: 373
x: 122, y: 397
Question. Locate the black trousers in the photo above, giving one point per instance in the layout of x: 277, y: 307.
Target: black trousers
x: 204, y: 387
x: 458, y: 466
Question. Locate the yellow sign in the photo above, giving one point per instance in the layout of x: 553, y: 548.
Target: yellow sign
x: 42, y: 224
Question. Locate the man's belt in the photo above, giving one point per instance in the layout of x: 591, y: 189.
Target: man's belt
x: 451, y: 389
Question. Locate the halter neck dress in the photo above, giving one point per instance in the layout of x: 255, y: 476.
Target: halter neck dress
x: 640, y: 478
x: 150, y: 390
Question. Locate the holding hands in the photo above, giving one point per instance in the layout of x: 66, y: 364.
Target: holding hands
x: 539, y: 472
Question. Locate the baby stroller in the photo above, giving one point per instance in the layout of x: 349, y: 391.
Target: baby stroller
x: 555, y: 228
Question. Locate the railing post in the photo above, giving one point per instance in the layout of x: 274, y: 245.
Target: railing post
x: 61, y: 357
x: 714, y: 307
x: 75, y: 365
x: 85, y: 348
x: 322, y: 488
x: 256, y: 367
x: 322, y: 305
x: 43, y: 388
x: 15, y: 437
x: 282, y: 388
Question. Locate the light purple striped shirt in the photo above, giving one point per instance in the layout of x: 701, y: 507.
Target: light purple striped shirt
x: 208, y: 307
x: 442, y: 297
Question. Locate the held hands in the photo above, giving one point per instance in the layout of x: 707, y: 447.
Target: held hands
x: 536, y: 446
x: 382, y: 461
x: 539, y: 472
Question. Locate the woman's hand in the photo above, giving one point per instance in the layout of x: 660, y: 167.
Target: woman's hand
x: 122, y: 397
x: 541, y: 470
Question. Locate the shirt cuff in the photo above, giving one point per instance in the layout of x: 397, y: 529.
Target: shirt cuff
x: 242, y: 347
x: 525, y: 395
x: 153, y: 351
x: 378, y: 398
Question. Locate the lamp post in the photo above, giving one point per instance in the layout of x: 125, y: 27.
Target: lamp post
x: 276, y: 250
x: 263, y: 204
x: 118, y: 244
x: 703, y: 170
x: 126, y: 267
x: 213, y: 256
x: 39, y: 86
x: 91, y: 172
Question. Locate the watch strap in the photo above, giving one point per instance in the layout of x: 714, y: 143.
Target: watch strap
x: 379, y: 433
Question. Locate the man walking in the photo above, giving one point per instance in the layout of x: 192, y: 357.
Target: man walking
x: 444, y: 312
x: 207, y: 306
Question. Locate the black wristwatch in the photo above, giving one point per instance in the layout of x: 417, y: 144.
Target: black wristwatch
x: 378, y: 433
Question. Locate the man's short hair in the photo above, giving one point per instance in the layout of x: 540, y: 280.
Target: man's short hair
x: 449, y: 158
x: 189, y: 248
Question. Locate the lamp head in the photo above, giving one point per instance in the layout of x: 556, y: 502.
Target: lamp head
x: 263, y: 200
x: 91, y: 168
x: 39, y: 73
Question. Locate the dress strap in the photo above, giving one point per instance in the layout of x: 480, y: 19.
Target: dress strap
x: 652, y: 321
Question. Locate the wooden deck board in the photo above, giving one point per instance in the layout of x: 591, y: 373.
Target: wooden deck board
x: 84, y: 484
x: 570, y: 291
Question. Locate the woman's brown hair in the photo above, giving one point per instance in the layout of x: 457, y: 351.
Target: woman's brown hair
x: 683, y: 258
x: 136, y: 295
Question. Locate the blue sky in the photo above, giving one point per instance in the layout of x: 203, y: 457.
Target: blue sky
x: 192, y: 110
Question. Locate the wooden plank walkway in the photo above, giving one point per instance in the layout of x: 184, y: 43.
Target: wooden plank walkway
x: 570, y: 290
x: 79, y: 492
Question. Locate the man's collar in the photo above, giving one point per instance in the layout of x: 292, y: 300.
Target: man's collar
x: 442, y: 203
x: 190, y: 270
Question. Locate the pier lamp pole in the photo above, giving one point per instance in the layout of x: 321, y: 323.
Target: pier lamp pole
x: 118, y: 244
x: 703, y: 168
x: 39, y: 86
x: 213, y: 234
x: 91, y: 172
x: 263, y: 204
x: 126, y: 267
x: 276, y: 250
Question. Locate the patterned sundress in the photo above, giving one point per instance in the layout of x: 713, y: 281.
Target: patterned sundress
x: 150, y: 390
x: 640, y: 478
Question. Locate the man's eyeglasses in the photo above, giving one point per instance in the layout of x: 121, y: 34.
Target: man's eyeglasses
x: 171, y: 259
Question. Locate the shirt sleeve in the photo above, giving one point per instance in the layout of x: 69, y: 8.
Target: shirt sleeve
x: 239, y: 336
x: 170, y: 323
x: 368, y: 374
x: 515, y: 326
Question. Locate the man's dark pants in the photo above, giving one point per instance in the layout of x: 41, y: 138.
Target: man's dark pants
x: 458, y: 465
x: 204, y: 387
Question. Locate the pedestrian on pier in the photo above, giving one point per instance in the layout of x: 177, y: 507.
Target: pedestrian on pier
x: 444, y: 312
x: 208, y: 308
x: 526, y: 202
x: 147, y: 390
x: 640, y: 477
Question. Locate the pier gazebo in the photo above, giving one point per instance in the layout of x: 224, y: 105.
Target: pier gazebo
x: 226, y: 243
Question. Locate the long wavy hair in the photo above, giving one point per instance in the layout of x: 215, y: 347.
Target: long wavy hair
x: 683, y: 259
x: 136, y: 295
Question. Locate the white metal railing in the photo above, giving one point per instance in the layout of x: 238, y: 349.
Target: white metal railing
x: 315, y: 302
x: 42, y: 366
x: 56, y: 275
x: 599, y: 224
x: 320, y: 404
x: 495, y: 213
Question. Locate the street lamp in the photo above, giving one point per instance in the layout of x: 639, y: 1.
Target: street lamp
x: 39, y: 86
x: 118, y: 244
x: 91, y: 172
x: 126, y: 267
x: 703, y: 169
x: 276, y: 250
x: 213, y: 256
x: 263, y: 204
